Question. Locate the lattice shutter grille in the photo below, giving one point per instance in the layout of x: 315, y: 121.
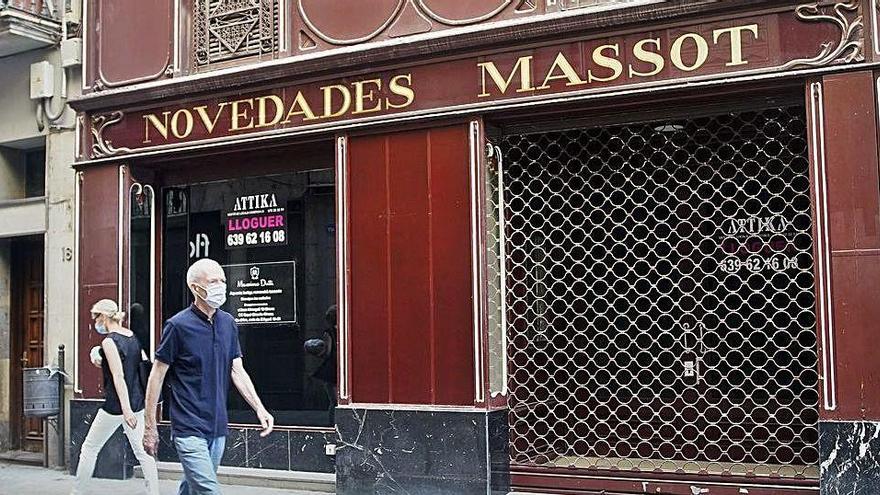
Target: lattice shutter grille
x: 660, y: 300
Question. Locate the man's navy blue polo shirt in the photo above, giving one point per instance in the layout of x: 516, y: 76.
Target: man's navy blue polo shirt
x: 199, y: 352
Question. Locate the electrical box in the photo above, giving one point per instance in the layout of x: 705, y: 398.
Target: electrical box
x: 42, y: 80
x: 71, y: 52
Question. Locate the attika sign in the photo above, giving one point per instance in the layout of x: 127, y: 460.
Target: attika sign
x: 806, y: 37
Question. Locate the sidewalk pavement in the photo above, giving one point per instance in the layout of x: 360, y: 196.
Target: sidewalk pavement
x: 26, y: 480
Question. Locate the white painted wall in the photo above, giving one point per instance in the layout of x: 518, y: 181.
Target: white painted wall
x: 22, y: 217
x: 60, y: 259
x: 17, y: 111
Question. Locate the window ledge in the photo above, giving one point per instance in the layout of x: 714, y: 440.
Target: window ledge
x: 22, y: 201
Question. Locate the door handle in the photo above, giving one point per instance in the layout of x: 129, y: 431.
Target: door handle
x: 692, y: 354
x: 24, y: 359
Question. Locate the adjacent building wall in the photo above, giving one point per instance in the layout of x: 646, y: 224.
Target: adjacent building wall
x: 52, y: 216
x: 4, y: 345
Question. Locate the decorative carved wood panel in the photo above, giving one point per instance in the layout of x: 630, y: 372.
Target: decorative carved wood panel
x: 232, y: 29
x: 321, y: 25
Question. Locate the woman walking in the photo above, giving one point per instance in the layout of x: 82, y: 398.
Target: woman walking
x: 123, y: 398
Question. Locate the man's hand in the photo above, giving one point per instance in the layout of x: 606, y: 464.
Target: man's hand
x: 245, y: 386
x: 151, y: 440
x: 154, y: 387
x: 266, y: 421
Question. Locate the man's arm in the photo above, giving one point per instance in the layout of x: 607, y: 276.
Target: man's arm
x: 245, y: 387
x: 154, y: 387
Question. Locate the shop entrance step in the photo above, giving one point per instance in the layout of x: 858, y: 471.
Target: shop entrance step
x: 304, y: 482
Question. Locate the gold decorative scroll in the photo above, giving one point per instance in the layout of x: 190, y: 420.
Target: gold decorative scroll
x: 848, y: 48
x: 104, y: 147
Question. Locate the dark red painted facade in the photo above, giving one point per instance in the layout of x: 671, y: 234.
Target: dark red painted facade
x: 739, y: 45
x: 410, y: 233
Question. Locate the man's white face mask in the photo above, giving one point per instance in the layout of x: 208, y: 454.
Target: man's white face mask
x: 215, y: 294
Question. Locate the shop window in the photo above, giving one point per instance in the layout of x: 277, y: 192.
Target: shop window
x: 35, y: 173
x: 225, y: 30
x: 275, y: 238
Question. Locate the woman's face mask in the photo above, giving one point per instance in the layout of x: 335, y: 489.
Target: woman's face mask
x: 215, y: 294
x: 100, y: 327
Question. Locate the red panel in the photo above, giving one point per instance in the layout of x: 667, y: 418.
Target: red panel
x: 122, y: 25
x: 450, y: 239
x: 98, y: 260
x: 851, y: 154
x: 411, y: 322
x: 853, y: 204
x: 369, y: 270
x: 410, y: 268
x: 856, y: 313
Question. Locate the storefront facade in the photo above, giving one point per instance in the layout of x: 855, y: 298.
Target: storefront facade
x: 548, y: 247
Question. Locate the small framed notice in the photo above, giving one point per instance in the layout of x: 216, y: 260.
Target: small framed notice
x: 262, y: 293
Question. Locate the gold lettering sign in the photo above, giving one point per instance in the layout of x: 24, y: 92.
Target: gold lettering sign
x: 687, y: 52
x: 334, y: 100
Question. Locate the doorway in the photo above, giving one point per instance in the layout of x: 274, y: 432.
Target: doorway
x: 26, y: 334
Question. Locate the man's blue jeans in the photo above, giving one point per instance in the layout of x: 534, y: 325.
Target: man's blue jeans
x: 199, y: 458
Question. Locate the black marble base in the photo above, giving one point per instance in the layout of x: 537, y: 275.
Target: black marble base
x: 116, y: 460
x: 499, y: 452
x: 281, y: 450
x: 421, y: 452
x: 849, y: 457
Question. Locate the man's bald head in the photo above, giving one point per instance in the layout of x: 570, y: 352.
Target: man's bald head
x: 203, y: 273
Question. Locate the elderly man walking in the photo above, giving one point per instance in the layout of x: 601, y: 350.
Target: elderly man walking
x: 198, y: 354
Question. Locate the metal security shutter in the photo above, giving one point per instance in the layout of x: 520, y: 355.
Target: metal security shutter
x: 660, y: 296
